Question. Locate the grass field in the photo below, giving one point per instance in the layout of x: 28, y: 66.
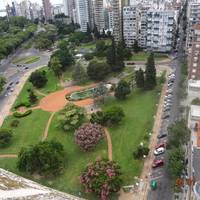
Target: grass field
x: 28, y: 132
x: 26, y: 60
x: 139, y: 109
x: 142, y: 56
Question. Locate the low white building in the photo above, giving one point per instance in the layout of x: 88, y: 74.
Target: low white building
x: 195, y: 112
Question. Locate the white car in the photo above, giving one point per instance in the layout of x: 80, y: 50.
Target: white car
x: 159, y: 151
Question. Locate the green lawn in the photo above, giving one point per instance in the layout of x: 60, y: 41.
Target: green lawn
x: 139, y: 109
x: 26, y: 60
x: 142, y: 56
x: 28, y: 132
x: 76, y: 159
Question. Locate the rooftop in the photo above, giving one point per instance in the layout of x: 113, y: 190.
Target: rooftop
x: 15, y: 187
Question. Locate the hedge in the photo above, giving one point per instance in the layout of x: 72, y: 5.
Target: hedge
x: 19, y: 115
x: 25, y: 104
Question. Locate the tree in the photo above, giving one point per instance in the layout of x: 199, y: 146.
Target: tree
x: 2, y: 83
x: 102, y: 177
x: 127, y: 53
x: 79, y: 74
x: 88, y: 136
x: 45, y: 158
x: 195, y: 101
x: 139, y: 78
x: 38, y: 78
x: 140, y: 152
x: 32, y: 97
x: 122, y: 90
x: 176, y: 163
x: 100, y: 92
x: 150, y: 73
x: 71, y: 117
x: 103, y: 33
x: 5, y: 137
x: 96, y: 32
x: 119, y: 63
x: 55, y: 66
x: 100, y: 48
x: 98, y: 70
x: 111, y: 116
x: 110, y: 54
x: 136, y: 47
x: 179, y: 134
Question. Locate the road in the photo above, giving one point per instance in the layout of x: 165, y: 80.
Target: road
x: 164, y: 190
x: 16, y: 74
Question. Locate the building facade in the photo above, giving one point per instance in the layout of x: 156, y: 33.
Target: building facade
x: 130, y: 25
x: 47, y: 9
x: 160, y: 30
x: 99, y: 14
x: 193, y: 17
x: 194, y: 57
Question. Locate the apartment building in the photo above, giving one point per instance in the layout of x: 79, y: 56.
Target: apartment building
x: 160, y: 30
x: 130, y: 25
x: 193, y: 17
x: 99, y: 14
x: 194, y: 57
x: 47, y: 9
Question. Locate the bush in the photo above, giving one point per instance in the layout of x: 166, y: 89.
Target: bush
x: 88, y: 56
x: 102, y: 177
x: 98, y: 70
x: 14, y: 123
x: 140, y: 152
x: 21, y: 104
x: 196, y: 101
x: 122, y: 90
x: 88, y: 136
x: 71, y: 117
x: 19, y: 115
x: 45, y: 158
x: 38, y: 79
x: 112, y: 116
x: 5, y: 137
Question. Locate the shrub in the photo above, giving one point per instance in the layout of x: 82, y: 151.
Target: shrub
x: 38, y: 79
x: 111, y: 116
x: 20, y: 104
x: 122, y: 90
x: 71, y: 117
x: 5, y: 137
x: 88, y: 136
x: 102, y: 177
x: 14, y: 123
x: 19, y: 115
x: 140, y: 152
x: 88, y: 56
x: 45, y: 158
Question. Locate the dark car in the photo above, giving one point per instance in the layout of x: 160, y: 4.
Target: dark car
x: 162, y: 135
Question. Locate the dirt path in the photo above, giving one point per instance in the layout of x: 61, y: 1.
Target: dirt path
x: 109, y: 142
x: 8, y: 155
x: 47, y: 126
x: 40, y: 93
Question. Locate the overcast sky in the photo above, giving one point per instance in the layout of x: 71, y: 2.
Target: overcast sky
x: 4, y: 2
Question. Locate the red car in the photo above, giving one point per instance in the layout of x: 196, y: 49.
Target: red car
x: 160, y: 145
x: 158, y: 163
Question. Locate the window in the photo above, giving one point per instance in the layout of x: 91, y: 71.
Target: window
x: 194, y: 71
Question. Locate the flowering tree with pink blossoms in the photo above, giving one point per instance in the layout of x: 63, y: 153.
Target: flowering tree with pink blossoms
x: 88, y: 136
x: 102, y: 177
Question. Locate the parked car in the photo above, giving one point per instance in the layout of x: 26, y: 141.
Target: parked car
x: 165, y: 116
x: 160, y: 145
x: 17, y: 82
x: 159, y: 151
x: 166, y: 109
x: 158, y: 163
x: 162, y: 135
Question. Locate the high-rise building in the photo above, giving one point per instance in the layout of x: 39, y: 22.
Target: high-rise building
x: 193, y: 17
x: 11, y: 10
x: 194, y: 57
x: 117, y: 19
x: 130, y: 25
x: 99, y: 14
x: 160, y: 30
x: 47, y: 9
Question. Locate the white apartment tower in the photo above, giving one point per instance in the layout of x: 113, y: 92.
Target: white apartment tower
x: 193, y: 17
x: 99, y: 14
x: 160, y: 30
x: 130, y: 25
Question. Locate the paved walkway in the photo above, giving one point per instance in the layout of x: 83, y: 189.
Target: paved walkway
x: 109, y: 142
x: 8, y: 155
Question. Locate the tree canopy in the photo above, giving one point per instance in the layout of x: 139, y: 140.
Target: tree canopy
x: 38, y: 78
x: 5, y: 137
x: 2, y: 83
x: 139, y: 78
x: 122, y: 90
